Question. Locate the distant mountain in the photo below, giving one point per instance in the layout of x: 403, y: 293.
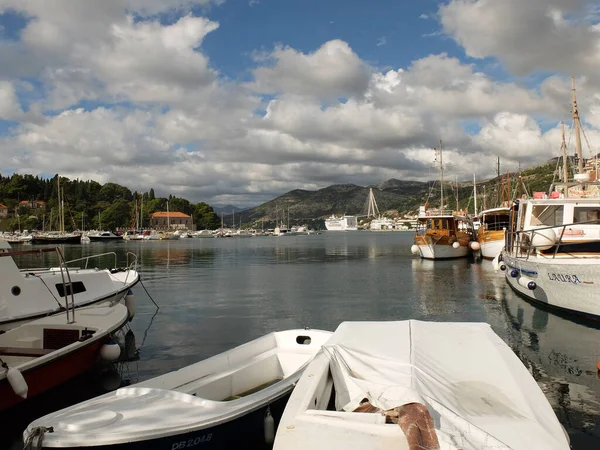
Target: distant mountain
x: 227, y: 209
x: 400, y: 196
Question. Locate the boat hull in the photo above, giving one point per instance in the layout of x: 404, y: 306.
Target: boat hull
x: 104, y: 238
x: 491, y: 242
x: 247, y: 431
x: 56, y: 240
x: 46, y: 376
x: 566, y: 284
x: 442, y: 249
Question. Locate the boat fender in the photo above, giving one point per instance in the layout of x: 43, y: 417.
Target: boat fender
x: 527, y: 283
x: 110, y: 351
x: 16, y: 380
x: 475, y: 246
x: 414, y: 249
x: 514, y: 273
x: 130, y: 303
x: 495, y: 264
x: 269, y: 425
x: 502, y: 266
x: 456, y: 245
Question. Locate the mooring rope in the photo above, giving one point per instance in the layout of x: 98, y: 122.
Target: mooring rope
x: 37, y: 432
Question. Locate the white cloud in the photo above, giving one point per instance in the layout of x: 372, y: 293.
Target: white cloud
x: 423, y: 17
x: 171, y: 121
x: 332, y: 71
x: 536, y: 35
x: 9, y: 104
x: 381, y: 41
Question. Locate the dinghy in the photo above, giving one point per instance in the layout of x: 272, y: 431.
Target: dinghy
x: 30, y: 294
x: 227, y: 401
x: 46, y: 352
x: 418, y: 385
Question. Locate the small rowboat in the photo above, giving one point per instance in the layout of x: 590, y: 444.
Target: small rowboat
x: 230, y: 400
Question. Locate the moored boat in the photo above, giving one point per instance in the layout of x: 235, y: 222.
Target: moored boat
x: 441, y: 235
x: 413, y: 385
x: 552, y: 249
x: 490, y: 234
x: 105, y: 236
x: 33, y: 293
x: 229, y: 400
x: 46, y: 352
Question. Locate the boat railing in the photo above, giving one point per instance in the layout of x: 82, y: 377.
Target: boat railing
x: 64, y: 273
x: 520, y: 241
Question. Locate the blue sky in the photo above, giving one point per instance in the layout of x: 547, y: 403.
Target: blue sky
x: 238, y: 102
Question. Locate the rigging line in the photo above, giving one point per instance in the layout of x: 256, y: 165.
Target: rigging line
x: 51, y: 293
x: 155, y: 304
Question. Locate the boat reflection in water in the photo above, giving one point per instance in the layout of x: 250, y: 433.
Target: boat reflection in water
x: 560, y: 352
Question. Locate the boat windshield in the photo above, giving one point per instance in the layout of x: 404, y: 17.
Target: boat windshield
x: 547, y: 215
x: 586, y: 214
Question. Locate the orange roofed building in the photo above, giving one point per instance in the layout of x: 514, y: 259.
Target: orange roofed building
x: 162, y: 220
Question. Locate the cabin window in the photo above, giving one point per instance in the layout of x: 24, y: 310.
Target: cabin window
x: 586, y: 214
x: 78, y: 287
x: 547, y: 215
x: 430, y: 224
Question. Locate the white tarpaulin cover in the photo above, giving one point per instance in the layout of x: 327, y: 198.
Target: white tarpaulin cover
x: 478, y: 392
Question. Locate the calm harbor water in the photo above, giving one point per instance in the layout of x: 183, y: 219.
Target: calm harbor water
x: 215, y: 294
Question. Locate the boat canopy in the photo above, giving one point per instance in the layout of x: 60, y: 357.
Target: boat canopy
x: 478, y: 392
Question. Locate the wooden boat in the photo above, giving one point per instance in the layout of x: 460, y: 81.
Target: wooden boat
x: 411, y: 385
x: 47, y: 352
x: 490, y: 235
x: 441, y: 233
x: 230, y: 400
x: 33, y: 293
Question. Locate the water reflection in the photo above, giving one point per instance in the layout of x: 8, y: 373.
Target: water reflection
x: 215, y: 294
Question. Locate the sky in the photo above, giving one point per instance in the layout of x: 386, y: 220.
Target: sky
x: 239, y: 101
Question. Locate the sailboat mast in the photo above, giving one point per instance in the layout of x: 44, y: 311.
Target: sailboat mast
x: 563, y: 147
x: 577, y: 128
x: 441, y: 179
x: 475, y: 194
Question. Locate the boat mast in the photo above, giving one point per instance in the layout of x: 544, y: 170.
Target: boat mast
x: 441, y: 179
x: 475, y: 194
x: 577, y: 128
x: 563, y: 147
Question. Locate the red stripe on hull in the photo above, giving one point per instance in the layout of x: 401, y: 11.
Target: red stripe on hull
x: 51, y: 374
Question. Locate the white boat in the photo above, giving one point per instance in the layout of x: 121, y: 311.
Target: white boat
x: 341, y: 223
x: 33, y: 293
x: 104, y: 236
x: 227, y: 401
x: 204, y: 234
x: 395, y: 385
x: 46, y: 352
x: 552, y: 251
x: 490, y: 233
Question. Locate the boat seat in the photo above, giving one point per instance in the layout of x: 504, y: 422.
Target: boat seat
x: 22, y: 351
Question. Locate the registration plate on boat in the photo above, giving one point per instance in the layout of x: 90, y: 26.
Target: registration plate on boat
x: 192, y: 442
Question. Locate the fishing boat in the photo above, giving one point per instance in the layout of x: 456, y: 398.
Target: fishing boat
x: 33, y: 293
x: 552, y: 249
x: 414, y: 385
x: 46, y: 352
x: 441, y: 233
x: 227, y: 401
x: 490, y: 234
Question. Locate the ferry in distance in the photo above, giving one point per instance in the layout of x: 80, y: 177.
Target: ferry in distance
x: 343, y: 223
